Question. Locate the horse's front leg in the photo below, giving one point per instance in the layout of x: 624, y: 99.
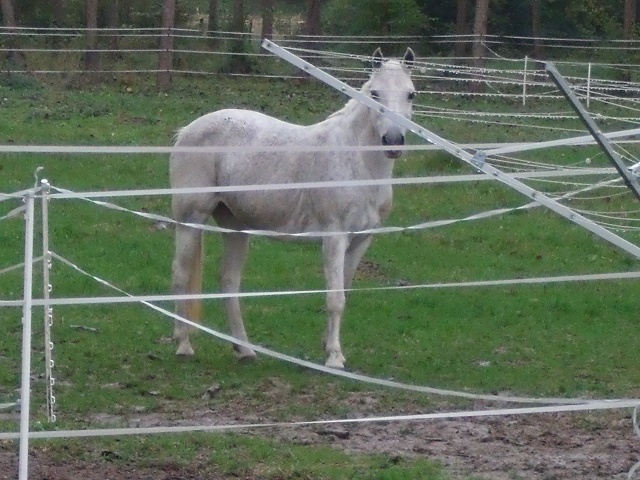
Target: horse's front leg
x: 333, y: 252
x: 234, y: 255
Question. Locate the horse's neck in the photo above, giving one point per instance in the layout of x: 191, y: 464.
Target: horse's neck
x: 354, y: 124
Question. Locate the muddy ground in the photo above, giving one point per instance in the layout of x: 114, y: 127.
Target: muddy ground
x: 600, y: 445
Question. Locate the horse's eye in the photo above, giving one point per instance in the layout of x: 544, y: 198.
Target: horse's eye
x: 411, y: 95
x: 375, y: 94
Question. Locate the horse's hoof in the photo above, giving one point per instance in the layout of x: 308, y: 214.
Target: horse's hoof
x: 247, y: 358
x: 185, y: 351
x: 243, y: 354
x: 336, y: 361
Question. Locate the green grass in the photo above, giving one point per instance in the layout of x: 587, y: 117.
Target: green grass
x: 555, y: 339
x: 207, y: 456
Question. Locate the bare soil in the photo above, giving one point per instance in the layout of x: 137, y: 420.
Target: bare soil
x: 586, y: 446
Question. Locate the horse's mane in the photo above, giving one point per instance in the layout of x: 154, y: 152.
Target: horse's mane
x: 352, y: 103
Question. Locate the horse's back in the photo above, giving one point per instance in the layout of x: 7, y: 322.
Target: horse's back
x: 283, y: 210
x: 251, y: 148
x: 233, y: 127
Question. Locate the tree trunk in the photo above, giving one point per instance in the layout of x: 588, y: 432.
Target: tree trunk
x: 629, y: 27
x: 8, y: 14
x: 267, y: 19
x: 57, y: 6
x: 113, y: 22
x: 629, y: 19
x: 462, y: 27
x: 165, y: 57
x: 312, y: 25
x: 237, y: 17
x: 479, y: 32
x: 213, y: 24
x: 58, y: 12
x: 91, y: 55
x: 535, y: 29
x: 239, y: 62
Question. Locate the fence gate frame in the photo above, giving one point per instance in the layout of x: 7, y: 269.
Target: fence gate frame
x: 478, y: 160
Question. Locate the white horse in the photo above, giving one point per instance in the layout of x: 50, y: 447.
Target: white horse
x: 340, y: 210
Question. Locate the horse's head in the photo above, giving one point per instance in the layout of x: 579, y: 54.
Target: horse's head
x: 391, y: 85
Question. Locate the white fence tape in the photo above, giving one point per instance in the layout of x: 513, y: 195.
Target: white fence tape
x: 332, y: 371
x: 603, y: 405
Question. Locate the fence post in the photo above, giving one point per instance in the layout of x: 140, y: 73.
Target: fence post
x: 524, y: 81
x: 25, y: 386
x: 588, y: 84
x: 165, y: 56
x: 48, y: 310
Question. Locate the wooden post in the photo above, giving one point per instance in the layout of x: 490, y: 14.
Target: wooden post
x: 165, y: 57
x: 91, y: 55
x: 10, y: 22
x: 480, y: 32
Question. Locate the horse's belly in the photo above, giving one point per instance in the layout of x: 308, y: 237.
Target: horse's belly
x: 298, y: 212
x: 271, y: 211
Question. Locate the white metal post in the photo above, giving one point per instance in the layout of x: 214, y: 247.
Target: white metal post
x: 48, y: 310
x: 524, y: 81
x: 25, y: 387
x: 629, y: 177
x: 589, y: 84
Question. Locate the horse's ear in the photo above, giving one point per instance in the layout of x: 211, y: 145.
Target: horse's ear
x: 409, y: 58
x: 376, y: 62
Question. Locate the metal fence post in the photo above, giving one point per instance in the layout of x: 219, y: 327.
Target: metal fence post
x: 25, y: 389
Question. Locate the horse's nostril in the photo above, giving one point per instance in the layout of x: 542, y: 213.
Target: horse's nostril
x: 392, y: 139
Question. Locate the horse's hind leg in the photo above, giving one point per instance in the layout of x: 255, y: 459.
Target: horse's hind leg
x: 187, y: 279
x: 233, y: 258
x: 333, y: 252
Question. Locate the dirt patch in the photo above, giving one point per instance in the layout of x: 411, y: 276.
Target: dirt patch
x: 586, y: 446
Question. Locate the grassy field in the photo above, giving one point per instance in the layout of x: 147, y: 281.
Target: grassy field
x: 115, y: 362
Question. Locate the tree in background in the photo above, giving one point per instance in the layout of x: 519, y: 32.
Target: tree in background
x: 598, y: 19
x: 629, y: 29
x: 267, y: 18
x: 239, y: 62
x: 58, y: 12
x: 113, y: 21
x: 238, y: 16
x: 536, y: 30
x: 313, y: 23
x: 214, y: 23
x: 8, y: 13
x: 462, y: 26
x: 91, y: 55
x: 165, y: 57
x: 629, y: 19
x: 375, y: 17
x: 479, y: 32
x: 582, y: 18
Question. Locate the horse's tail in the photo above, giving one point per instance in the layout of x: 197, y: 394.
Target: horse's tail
x: 178, y: 134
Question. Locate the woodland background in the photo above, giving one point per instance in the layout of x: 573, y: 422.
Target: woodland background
x: 530, y: 23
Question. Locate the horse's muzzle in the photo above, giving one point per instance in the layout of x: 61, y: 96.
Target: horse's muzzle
x: 388, y: 140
